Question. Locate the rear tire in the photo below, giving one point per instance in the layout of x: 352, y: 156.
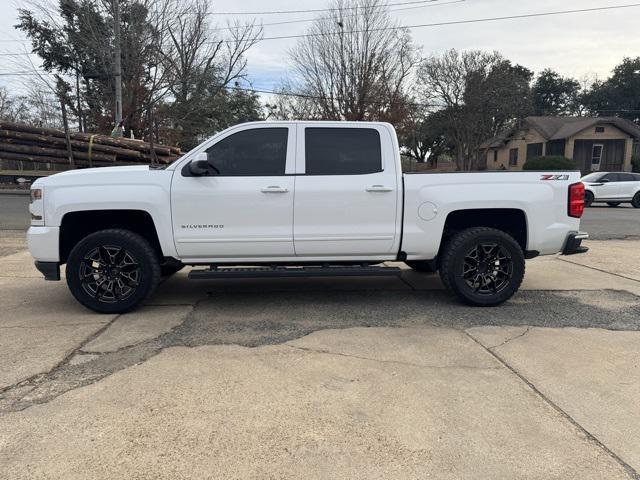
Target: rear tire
x: 112, y: 271
x: 613, y: 204
x: 482, y: 266
x: 420, y: 266
x: 636, y: 200
x: 588, y: 198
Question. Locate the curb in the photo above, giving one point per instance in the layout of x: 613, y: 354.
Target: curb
x: 14, y: 192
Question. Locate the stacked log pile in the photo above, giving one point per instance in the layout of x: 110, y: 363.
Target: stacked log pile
x: 19, y: 142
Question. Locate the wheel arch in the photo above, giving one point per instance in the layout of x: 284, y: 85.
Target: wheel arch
x: 512, y: 221
x: 78, y: 224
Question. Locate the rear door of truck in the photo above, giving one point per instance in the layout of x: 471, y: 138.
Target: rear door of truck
x: 347, y: 191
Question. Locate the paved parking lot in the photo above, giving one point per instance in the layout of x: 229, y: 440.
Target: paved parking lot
x: 316, y: 378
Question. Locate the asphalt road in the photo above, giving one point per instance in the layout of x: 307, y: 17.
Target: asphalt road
x: 602, y: 222
x: 14, y: 212
x: 606, y: 223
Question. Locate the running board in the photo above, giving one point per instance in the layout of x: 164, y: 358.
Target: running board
x: 280, y: 271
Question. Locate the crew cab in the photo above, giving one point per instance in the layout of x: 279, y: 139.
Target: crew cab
x: 297, y: 199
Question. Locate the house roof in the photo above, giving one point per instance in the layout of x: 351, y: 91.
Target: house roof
x: 558, y: 128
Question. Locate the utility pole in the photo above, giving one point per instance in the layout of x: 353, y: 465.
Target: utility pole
x: 117, y: 60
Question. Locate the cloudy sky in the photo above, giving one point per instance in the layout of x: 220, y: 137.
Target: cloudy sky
x: 578, y: 44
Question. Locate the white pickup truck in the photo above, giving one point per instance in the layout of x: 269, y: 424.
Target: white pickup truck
x: 297, y: 199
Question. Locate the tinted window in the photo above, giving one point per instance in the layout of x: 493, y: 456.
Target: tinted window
x: 626, y: 177
x: 257, y: 152
x: 592, y: 177
x: 612, y: 177
x: 342, y: 151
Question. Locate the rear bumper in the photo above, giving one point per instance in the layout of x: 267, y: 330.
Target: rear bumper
x: 50, y: 270
x: 572, y: 244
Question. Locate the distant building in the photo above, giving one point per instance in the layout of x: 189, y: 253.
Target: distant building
x: 595, y: 143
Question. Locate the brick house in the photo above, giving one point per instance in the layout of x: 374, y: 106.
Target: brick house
x: 595, y: 143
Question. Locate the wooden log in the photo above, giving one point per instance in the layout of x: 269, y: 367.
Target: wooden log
x: 53, y: 152
x: 125, y: 143
x: 121, y: 153
x: 47, y: 159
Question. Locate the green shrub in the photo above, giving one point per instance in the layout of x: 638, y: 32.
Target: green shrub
x: 550, y: 163
x: 635, y: 164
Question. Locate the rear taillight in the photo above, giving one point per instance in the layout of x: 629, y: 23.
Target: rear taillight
x: 576, y: 200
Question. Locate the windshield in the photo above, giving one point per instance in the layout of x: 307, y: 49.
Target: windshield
x: 592, y: 177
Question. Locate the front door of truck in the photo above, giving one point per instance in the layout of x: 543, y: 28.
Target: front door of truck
x: 347, y: 191
x: 244, y: 208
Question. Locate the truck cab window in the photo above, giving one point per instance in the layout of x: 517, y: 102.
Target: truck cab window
x: 255, y: 152
x: 342, y: 151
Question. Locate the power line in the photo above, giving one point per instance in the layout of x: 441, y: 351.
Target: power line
x: 458, y: 22
x: 285, y: 12
x: 452, y: 22
x: 18, y: 54
x: 287, y: 22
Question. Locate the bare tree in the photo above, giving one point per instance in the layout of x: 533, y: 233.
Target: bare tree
x: 201, y: 68
x: 354, y: 64
x: 12, y: 107
x: 478, y: 94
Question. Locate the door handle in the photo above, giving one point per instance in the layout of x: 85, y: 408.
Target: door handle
x: 274, y: 189
x: 379, y: 188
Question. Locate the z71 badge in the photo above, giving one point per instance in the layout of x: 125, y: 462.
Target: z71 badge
x: 554, y: 177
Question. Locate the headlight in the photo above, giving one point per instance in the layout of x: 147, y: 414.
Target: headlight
x: 36, y: 194
x: 36, y: 207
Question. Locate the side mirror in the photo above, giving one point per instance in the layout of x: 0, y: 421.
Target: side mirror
x: 605, y: 180
x: 200, y: 167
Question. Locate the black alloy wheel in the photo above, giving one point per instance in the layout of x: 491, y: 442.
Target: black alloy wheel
x: 483, y: 266
x: 112, y: 271
x: 487, y: 268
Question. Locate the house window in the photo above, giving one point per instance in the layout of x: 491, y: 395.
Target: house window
x: 513, y: 157
x: 495, y: 155
x: 534, y: 150
x: 596, y: 157
x: 555, y: 147
x: 599, y: 129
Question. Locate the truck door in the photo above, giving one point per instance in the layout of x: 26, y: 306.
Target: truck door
x: 245, y: 207
x: 347, y: 192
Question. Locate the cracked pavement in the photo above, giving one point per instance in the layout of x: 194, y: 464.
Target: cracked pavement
x: 330, y: 377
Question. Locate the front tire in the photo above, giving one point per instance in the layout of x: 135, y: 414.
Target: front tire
x: 636, y: 200
x: 482, y: 266
x: 588, y: 198
x: 112, y: 271
x: 168, y: 270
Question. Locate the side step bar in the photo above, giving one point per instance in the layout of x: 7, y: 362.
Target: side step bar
x: 281, y: 271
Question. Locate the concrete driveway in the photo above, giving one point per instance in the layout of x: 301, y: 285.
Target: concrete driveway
x: 317, y: 378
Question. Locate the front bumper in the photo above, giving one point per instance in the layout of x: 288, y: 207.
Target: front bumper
x: 44, y: 243
x: 572, y: 244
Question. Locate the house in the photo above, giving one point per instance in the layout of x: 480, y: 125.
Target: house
x: 595, y: 143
